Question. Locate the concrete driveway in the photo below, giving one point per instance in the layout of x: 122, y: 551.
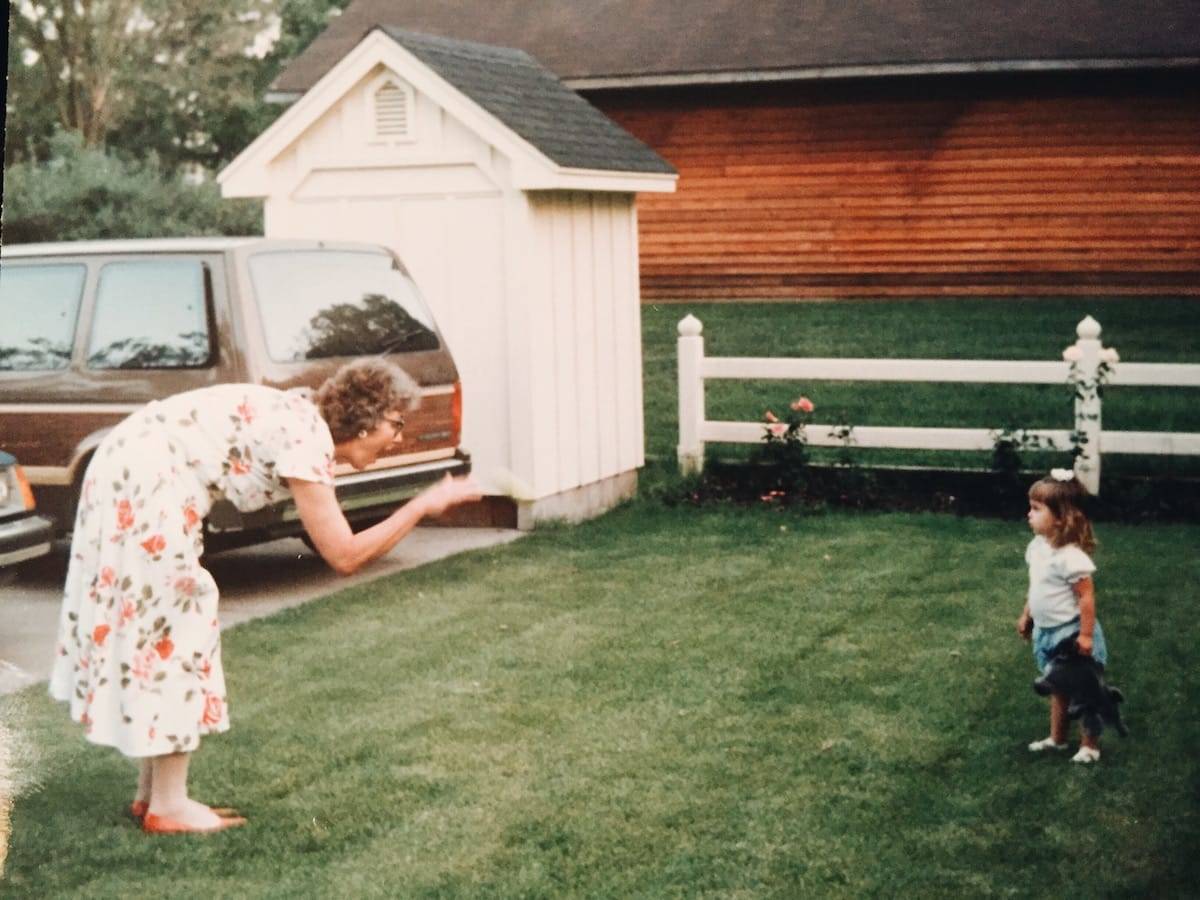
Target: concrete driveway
x: 254, y: 582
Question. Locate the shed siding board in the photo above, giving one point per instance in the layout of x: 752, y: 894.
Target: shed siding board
x: 962, y: 186
x: 520, y: 311
x: 537, y: 255
x: 555, y: 208
x: 583, y: 289
x: 603, y: 335
x: 628, y: 342
x: 531, y: 340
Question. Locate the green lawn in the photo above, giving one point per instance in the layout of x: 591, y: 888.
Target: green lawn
x: 1143, y: 329
x: 667, y: 702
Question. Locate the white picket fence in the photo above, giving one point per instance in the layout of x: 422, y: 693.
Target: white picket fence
x: 1085, y: 366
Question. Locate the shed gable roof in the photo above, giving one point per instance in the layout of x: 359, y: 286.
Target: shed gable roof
x: 555, y: 139
x: 591, y: 43
x: 529, y: 99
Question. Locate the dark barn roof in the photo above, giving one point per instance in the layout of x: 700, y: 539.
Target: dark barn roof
x: 529, y: 99
x: 599, y: 43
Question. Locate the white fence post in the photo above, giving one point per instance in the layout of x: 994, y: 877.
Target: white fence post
x: 1084, y: 357
x: 691, y: 395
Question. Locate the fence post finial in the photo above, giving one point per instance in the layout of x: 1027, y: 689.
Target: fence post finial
x: 690, y: 326
x: 690, y: 451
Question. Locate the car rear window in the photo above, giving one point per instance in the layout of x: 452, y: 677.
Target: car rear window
x: 150, y: 314
x: 39, y: 305
x: 321, y: 303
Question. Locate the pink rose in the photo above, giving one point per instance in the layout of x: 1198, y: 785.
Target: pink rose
x: 155, y: 544
x: 124, y: 515
x: 246, y: 411
x: 191, y: 518
x: 213, y: 708
x: 164, y: 648
x: 108, y: 577
x: 99, y: 634
x: 186, y: 585
x: 770, y: 416
x: 144, y: 664
x: 802, y: 404
x: 778, y: 429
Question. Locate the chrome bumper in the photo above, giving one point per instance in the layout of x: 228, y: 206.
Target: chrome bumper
x: 25, y: 538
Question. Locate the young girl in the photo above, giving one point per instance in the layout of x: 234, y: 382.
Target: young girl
x: 1062, y: 600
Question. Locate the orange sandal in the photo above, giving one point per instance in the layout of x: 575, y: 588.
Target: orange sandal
x: 139, y: 808
x: 154, y: 824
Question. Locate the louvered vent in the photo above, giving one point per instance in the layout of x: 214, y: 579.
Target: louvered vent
x: 391, y: 111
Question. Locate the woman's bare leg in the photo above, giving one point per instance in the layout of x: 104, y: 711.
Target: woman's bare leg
x: 169, y: 796
x: 145, y: 779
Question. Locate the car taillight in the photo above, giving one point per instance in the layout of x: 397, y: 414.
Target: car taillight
x: 26, y: 490
x: 456, y: 409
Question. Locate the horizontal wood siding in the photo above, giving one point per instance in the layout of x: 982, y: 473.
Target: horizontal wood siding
x: 977, y: 185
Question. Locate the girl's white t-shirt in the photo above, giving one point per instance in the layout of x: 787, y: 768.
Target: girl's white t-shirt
x: 1052, y: 571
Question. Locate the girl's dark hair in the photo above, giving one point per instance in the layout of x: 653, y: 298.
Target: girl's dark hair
x: 1065, y: 500
x: 359, y: 394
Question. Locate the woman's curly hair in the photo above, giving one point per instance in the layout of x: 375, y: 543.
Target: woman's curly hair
x: 1065, y: 500
x: 359, y: 394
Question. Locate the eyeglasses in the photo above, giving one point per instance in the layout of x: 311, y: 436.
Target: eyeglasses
x: 396, y: 423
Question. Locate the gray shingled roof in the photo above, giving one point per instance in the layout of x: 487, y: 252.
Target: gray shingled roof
x: 588, y: 41
x: 528, y: 98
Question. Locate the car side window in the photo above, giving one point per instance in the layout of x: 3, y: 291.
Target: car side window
x: 151, y: 314
x: 39, y: 306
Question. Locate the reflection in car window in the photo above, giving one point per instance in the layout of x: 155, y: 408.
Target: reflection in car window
x: 150, y: 314
x: 38, y: 308
x: 321, y: 303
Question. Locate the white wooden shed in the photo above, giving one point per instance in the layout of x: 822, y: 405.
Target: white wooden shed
x: 511, y: 201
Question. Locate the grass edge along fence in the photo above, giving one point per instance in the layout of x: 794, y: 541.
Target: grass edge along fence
x: 1086, y: 367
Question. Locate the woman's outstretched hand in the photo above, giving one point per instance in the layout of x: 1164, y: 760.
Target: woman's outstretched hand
x: 449, y: 492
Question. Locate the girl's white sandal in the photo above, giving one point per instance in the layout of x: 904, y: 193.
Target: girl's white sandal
x: 1046, y: 744
x: 1086, y: 755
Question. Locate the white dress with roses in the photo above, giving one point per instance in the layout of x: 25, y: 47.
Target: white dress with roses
x: 139, y: 649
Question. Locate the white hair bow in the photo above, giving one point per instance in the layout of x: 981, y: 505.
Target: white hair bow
x: 1062, y: 474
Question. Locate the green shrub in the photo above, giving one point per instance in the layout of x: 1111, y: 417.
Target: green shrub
x: 83, y: 193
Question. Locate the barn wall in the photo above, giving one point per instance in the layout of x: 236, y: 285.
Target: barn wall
x: 1032, y: 184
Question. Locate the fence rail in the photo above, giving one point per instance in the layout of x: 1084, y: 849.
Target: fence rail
x: 1086, y: 365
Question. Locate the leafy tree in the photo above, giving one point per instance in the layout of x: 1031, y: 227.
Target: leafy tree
x: 300, y: 22
x: 85, y: 192
x: 182, y: 78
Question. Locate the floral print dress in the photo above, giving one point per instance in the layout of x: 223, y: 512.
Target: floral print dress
x: 139, y: 650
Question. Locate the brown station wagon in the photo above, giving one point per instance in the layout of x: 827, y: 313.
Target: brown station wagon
x: 90, y: 331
